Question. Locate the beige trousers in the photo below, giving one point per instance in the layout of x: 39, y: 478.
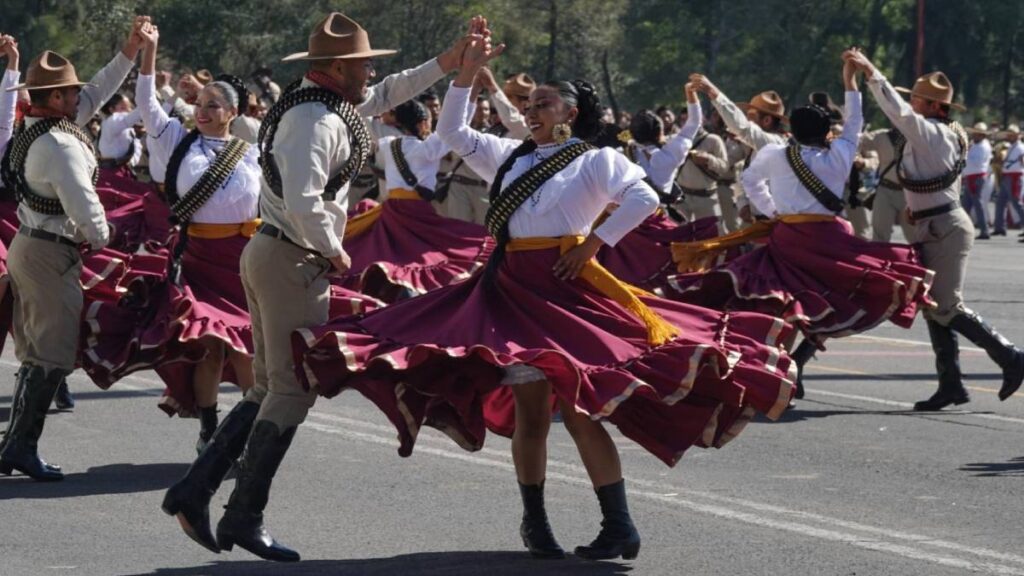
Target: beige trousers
x: 467, y: 203
x: 727, y: 204
x: 47, y: 302
x: 286, y: 288
x: 946, y: 242
x: 888, y: 210
x: 697, y: 207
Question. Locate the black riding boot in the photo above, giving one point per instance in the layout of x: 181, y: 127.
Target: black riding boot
x: 999, y: 349
x: 189, y: 498
x: 802, y: 355
x: 33, y: 395
x: 63, y: 399
x: 618, y: 536
x: 947, y: 366
x: 242, y: 523
x: 535, y: 530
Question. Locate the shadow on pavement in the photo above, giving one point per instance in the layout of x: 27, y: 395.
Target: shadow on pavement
x: 422, y: 564
x: 1014, y: 467
x: 110, y: 479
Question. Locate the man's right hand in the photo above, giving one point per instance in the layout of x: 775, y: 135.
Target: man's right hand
x: 701, y: 83
x: 341, y: 263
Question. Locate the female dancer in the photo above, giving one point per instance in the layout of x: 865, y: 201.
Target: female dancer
x: 644, y: 256
x: 813, y: 271
x: 403, y: 247
x: 545, y: 325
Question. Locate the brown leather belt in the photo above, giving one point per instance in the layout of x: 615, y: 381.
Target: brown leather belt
x: 698, y: 192
x: 44, y: 235
x: 936, y: 211
x: 467, y: 181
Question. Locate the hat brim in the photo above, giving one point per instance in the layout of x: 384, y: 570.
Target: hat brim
x: 26, y: 86
x: 746, y: 106
x: 366, y: 54
x: 952, y: 105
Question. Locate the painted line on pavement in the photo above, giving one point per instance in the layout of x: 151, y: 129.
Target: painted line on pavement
x: 904, y: 341
x: 816, y: 366
x: 729, y: 513
x: 910, y: 406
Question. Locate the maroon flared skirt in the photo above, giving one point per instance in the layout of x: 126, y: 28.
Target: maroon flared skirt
x: 818, y: 276
x: 644, y: 256
x: 162, y: 326
x: 118, y: 186
x: 438, y: 360
x: 411, y: 249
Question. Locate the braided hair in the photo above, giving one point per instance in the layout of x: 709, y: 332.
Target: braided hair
x: 502, y: 237
x: 581, y: 94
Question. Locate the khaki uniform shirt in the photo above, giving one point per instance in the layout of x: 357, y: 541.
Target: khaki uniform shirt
x: 59, y: 166
x: 310, y: 146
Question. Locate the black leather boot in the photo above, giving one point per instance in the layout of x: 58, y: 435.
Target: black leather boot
x: 242, y: 523
x: 207, y: 426
x: 64, y: 400
x: 33, y: 395
x: 618, y: 536
x: 189, y: 498
x: 802, y: 355
x: 999, y: 349
x: 947, y: 366
x: 535, y: 530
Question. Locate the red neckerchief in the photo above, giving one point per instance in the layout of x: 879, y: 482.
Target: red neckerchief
x: 325, y: 81
x: 20, y: 110
x: 44, y: 112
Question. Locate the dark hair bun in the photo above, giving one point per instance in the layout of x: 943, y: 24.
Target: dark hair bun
x: 240, y: 89
x: 646, y: 127
x: 588, y: 123
x: 410, y: 114
x: 810, y: 124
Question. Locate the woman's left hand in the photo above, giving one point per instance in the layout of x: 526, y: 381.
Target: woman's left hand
x: 569, y: 266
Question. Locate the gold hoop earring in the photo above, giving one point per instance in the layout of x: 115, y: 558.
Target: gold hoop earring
x: 561, y: 133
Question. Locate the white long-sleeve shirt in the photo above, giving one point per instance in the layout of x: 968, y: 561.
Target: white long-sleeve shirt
x: 567, y: 203
x: 932, y: 147
x: 311, y: 145
x: 773, y: 187
x: 510, y: 116
x: 1014, y: 162
x: 422, y: 156
x: 979, y: 158
x: 662, y: 164
x: 746, y: 131
x: 117, y: 136
x: 237, y: 200
x: 8, y: 109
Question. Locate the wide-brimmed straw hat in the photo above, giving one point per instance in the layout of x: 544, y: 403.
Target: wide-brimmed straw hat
x: 978, y: 128
x: 338, y: 37
x: 519, y: 85
x: 49, y: 70
x: 768, y: 102
x: 934, y: 86
x: 1011, y: 130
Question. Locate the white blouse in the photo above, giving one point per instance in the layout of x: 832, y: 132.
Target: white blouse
x: 117, y: 136
x: 236, y: 201
x: 662, y: 164
x: 8, y: 110
x: 422, y: 156
x: 570, y: 201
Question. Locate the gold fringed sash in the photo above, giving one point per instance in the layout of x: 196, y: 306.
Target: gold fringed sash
x: 364, y: 221
x: 221, y: 231
x: 700, y: 255
x: 659, y: 331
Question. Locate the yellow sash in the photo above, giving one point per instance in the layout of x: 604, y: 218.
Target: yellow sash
x: 220, y: 231
x: 658, y: 330
x: 364, y: 221
x: 698, y: 256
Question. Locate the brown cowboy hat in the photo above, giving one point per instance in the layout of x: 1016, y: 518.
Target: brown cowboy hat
x: 204, y: 76
x: 336, y: 37
x: 1011, y: 130
x: 49, y: 70
x: 979, y: 128
x: 519, y: 85
x: 768, y: 102
x: 934, y: 86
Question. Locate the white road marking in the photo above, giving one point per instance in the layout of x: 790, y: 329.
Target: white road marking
x: 910, y: 406
x: 903, y: 341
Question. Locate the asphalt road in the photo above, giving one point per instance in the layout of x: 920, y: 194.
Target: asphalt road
x: 850, y: 482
